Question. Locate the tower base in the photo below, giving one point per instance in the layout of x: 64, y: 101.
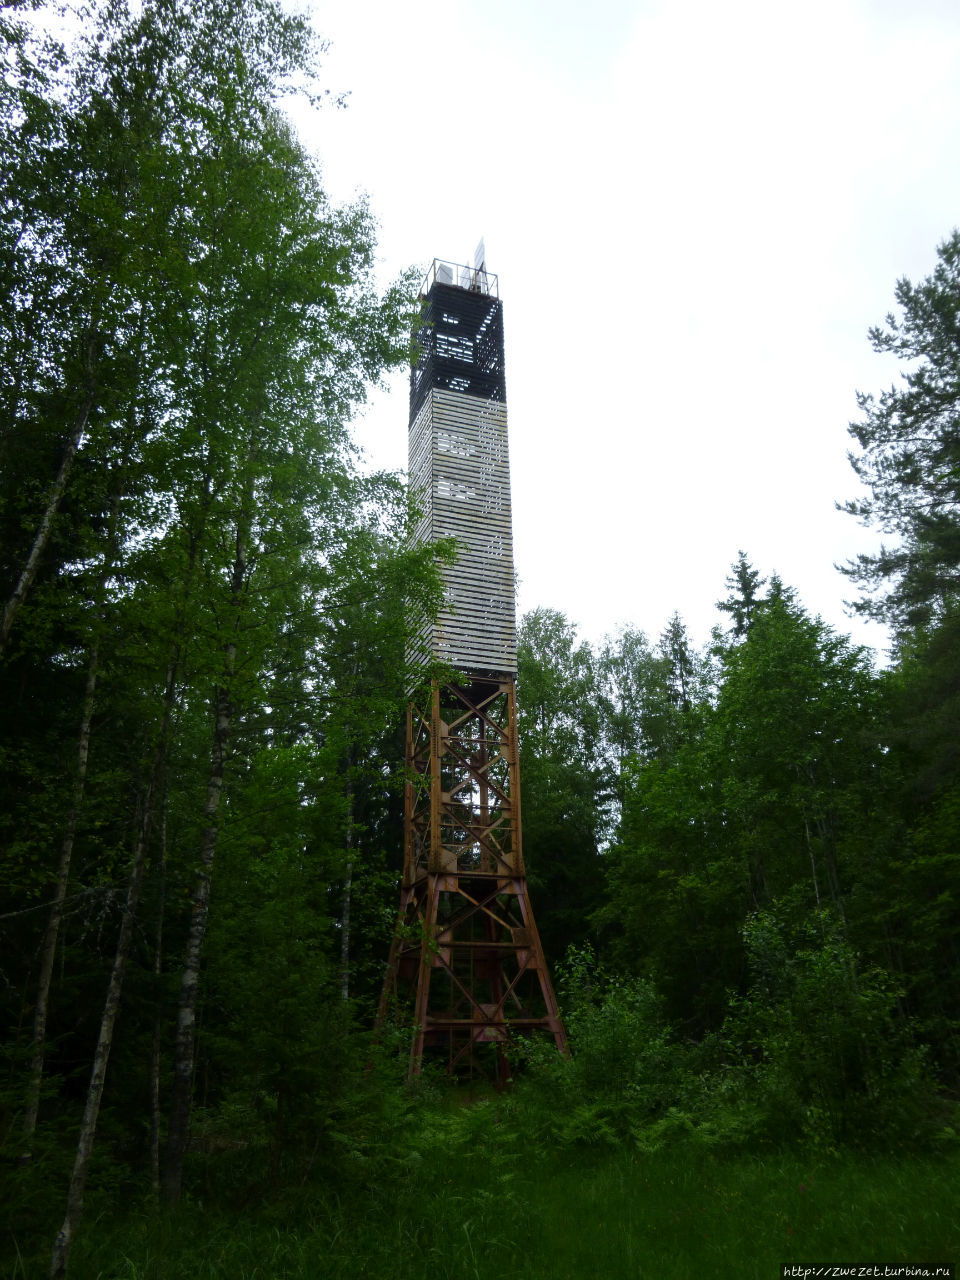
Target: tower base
x: 466, y: 968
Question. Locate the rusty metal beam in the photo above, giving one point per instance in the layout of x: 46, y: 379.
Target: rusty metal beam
x: 466, y: 967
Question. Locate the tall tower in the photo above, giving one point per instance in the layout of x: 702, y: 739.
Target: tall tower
x: 466, y: 964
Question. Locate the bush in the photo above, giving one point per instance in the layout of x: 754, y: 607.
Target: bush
x: 819, y: 1043
x: 624, y: 1069
x: 815, y: 1054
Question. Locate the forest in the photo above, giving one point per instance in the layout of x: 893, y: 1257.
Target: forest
x: 744, y: 857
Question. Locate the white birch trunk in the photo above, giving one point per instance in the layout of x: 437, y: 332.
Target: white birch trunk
x: 185, y: 1049
x: 52, y: 931
x: 88, y: 1127
x: 42, y: 536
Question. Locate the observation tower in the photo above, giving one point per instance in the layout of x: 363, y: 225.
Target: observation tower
x: 466, y: 965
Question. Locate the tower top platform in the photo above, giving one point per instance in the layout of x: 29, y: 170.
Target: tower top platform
x: 459, y: 338
x: 476, y: 279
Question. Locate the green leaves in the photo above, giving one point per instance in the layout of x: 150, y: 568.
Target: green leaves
x: 764, y: 799
x: 562, y: 775
x: 171, y: 264
x: 829, y: 1057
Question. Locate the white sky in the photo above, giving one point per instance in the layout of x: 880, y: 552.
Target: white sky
x: 695, y: 210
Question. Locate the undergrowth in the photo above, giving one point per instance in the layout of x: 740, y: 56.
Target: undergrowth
x: 676, y: 1214
x: 784, y: 1137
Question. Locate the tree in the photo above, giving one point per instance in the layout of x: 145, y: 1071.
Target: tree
x: 766, y: 798
x: 909, y: 458
x: 909, y: 454
x: 744, y: 584
x: 647, y: 697
x: 189, y: 326
x: 628, y: 675
x: 796, y: 716
x: 563, y: 781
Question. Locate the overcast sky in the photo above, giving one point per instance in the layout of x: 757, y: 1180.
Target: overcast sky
x: 695, y: 210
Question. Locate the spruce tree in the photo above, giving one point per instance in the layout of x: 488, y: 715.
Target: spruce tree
x: 908, y: 454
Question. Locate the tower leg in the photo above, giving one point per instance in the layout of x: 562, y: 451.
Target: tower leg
x: 466, y: 962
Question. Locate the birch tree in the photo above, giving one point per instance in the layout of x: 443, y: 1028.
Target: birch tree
x: 263, y: 337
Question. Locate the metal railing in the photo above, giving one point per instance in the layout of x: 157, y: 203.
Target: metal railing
x: 475, y: 279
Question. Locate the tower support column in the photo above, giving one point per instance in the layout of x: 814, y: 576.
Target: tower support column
x: 466, y: 959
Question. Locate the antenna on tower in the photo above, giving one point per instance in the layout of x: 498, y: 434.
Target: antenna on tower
x: 477, y: 278
x: 480, y: 266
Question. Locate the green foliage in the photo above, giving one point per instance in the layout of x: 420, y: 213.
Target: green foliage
x: 826, y: 1054
x: 768, y: 799
x: 815, y: 1053
x: 188, y: 325
x: 909, y: 454
x: 623, y: 1071
x: 744, y: 601
x: 563, y: 776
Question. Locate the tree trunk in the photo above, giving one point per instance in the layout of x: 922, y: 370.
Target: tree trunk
x: 155, y: 1048
x: 190, y: 980
x: 52, y: 931
x: 42, y: 537
x: 185, y: 1049
x: 813, y: 860
x: 88, y: 1128
x: 347, y: 889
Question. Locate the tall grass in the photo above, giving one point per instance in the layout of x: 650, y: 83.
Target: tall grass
x: 671, y: 1215
x: 677, y: 1215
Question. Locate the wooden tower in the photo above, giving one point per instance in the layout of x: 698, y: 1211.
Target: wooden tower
x: 466, y: 966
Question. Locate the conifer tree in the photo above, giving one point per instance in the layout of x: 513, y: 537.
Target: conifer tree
x: 744, y: 584
x: 908, y: 454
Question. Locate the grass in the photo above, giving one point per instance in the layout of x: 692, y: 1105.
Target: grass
x: 676, y: 1214
x: 677, y: 1217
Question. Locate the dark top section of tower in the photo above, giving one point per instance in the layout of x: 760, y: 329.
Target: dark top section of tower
x: 459, y: 340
